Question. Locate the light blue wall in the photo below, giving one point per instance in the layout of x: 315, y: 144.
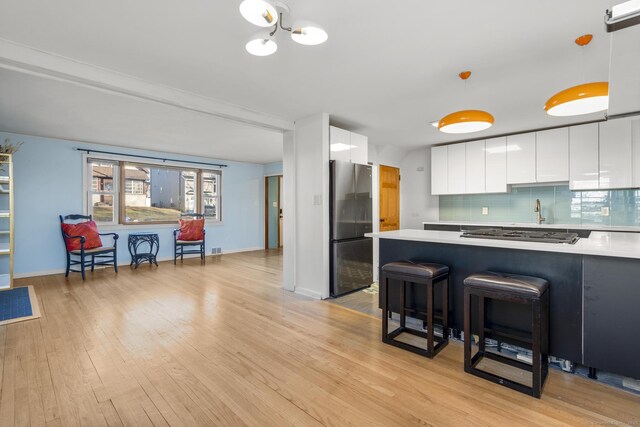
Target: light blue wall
x: 273, y: 168
x: 48, y: 182
x: 559, y: 206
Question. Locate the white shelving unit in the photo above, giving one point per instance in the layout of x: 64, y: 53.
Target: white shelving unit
x: 6, y: 221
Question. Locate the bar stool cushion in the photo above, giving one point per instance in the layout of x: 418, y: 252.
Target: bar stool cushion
x: 426, y: 270
x: 506, y: 282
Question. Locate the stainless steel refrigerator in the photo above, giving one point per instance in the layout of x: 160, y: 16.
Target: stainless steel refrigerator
x: 351, y: 208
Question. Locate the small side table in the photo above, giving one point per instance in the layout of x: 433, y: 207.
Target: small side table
x: 139, y: 239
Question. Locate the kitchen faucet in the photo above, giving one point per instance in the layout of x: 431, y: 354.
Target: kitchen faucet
x: 538, y: 209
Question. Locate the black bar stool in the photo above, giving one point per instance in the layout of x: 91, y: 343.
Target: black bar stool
x: 517, y: 289
x: 418, y: 274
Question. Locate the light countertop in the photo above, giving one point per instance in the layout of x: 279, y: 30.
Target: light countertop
x: 622, y: 228
x: 600, y: 243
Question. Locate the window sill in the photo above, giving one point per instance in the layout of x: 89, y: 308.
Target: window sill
x: 175, y: 225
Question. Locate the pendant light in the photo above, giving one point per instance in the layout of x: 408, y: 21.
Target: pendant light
x: 261, y: 44
x: 465, y: 121
x: 270, y: 15
x: 582, y: 99
x: 308, y: 33
x: 259, y: 12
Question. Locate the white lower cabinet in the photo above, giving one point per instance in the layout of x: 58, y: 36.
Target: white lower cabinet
x: 456, y: 168
x: 616, y: 154
x: 439, y: 174
x: 521, y: 158
x: 476, y: 167
x: 496, y: 165
x: 583, y: 157
x: 552, y: 155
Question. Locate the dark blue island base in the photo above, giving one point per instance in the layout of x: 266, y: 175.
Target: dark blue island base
x: 606, y: 290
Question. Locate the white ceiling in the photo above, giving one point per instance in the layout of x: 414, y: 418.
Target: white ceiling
x: 387, y: 70
x: 43, y: 107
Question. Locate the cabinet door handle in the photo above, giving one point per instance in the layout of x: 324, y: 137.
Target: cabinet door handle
x: 381, y: 219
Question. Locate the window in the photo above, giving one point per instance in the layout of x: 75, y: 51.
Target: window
x: 210, y: 195
x: 151, y: 193
x: 102, y: 196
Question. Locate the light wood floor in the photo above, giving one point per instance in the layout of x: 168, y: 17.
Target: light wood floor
x: 222, y: 344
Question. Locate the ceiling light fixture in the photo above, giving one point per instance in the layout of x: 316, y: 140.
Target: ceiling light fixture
x: 261, y: 44
x: 465, y: 121
x: 265, y: 14
x: 622, y: 15
x: 582, y: 99
x: 259, y: 12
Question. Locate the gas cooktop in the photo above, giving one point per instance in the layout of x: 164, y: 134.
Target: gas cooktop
x: 525, y: 236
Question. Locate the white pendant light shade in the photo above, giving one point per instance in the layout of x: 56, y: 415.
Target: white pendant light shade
x: 308, y: 33
x: 261, y: 45
x: 259, y: 12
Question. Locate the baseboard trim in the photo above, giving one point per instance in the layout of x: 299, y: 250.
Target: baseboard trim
x: 126, y: 264
x: 308, y: 293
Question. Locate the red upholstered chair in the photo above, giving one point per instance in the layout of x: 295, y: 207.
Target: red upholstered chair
x: 82, y: 240
x: 191, y: 233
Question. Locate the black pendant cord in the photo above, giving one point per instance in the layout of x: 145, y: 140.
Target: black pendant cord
x: 219, y: 165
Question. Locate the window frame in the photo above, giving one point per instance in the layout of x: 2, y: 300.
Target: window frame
x: 119, y: 193
x: 90, y: 192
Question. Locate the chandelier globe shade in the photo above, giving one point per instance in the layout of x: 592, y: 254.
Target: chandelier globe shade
x: 259, y: 12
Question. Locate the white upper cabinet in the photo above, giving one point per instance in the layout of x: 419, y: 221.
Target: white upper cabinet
x: 456, y: 168
x: 635, y: 141
x: 583, y: 157
x: 552, y: 155
x: 439, y: 173
x: 348, y: 146
x: 475, y: 165
x: 339, y: 144
x: 496, y: 165
x: 521, y: 159
x: 615, y: 154
x: 359, y: 148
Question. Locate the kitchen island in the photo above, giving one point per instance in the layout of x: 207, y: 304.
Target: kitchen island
x: 594, y: 285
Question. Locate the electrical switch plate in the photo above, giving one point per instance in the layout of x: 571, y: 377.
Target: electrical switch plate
x: 275, y: 204
x: 485, y: 211
x: 604, y: 211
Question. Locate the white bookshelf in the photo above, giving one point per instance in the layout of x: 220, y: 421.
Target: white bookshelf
x: 6, y: 221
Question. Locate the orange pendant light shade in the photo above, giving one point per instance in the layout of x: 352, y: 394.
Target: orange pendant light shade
x: 466, y: 121
x: 582, y: 99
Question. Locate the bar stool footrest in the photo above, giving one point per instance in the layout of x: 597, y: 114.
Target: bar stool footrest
x: 477, y: 358
x: 439, y: 342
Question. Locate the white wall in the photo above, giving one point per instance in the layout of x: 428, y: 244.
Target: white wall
x: 289, y: 210
x: 416, y: 202
x: 307, y: 158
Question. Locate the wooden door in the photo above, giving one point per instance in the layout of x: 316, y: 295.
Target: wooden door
x: 389, y: 198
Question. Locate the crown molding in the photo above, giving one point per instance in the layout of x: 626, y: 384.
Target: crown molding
x: 25, y: 59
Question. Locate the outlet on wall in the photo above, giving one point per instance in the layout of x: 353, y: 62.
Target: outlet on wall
x: 485, y: 210
x: 604, y: 211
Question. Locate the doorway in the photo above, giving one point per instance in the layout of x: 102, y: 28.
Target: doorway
x: 389, y: 198
x: 273, y: 212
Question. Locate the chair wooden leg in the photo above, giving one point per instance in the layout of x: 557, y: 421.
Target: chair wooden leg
x: 481, y: 307
x: 82, y: 267
x: 402, y: 305
x: 467, y: 331
x: 66, y: 273
x: 93, y: 262
x: 445, y: 309
x: 384, y: 289
x: 430, y: 325
x: 115, y: 260
x: 536, y: 349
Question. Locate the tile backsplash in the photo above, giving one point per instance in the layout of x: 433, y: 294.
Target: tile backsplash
x: 559, y: 206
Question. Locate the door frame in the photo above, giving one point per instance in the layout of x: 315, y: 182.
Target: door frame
x: 266, y: 208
